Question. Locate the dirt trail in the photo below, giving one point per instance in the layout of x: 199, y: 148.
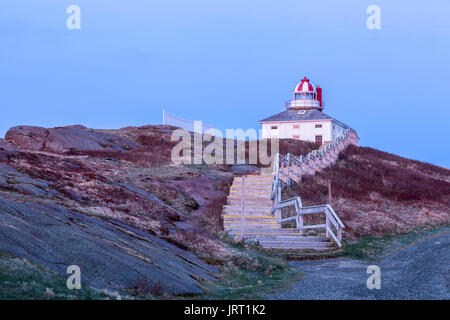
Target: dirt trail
x: 419, y: 271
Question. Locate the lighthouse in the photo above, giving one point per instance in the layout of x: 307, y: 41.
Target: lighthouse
x: 304, y: 118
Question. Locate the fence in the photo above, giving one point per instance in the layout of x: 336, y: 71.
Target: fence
x: 289, y: 169
x: 292, y: 168
x: 172, y: 120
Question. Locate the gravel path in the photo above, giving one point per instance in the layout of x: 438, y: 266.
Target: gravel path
x: 419, y: 271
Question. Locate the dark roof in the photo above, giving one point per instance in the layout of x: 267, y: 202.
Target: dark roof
x: 292, y: 115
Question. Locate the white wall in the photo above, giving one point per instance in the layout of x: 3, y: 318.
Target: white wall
x: 306, y: 131
x: 337, y: 130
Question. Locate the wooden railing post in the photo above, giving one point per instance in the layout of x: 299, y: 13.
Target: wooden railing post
x: 243, y: 207
x: 300, y: 223
x: 278, y: 210
x: 327, y: 224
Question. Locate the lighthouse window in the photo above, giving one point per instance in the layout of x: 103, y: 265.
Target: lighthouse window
x: 273, y: 127
x: 296, y: 126
x: 297, y: 137
x: 319, y: 139
x: 318, y: 126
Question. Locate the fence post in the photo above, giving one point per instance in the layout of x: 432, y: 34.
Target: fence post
x: 329, y: 192
x: 327, y: 223
x: 289, y: 179
x: 243, y: 207
x: 278, y: 210
x: 300, y: 223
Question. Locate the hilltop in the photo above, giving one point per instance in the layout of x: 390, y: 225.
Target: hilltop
x: 112, y: 202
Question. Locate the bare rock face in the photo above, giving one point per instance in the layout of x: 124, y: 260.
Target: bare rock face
x: 66, y: 139
x: 111, y: 255
x: 5, y: 145
x: 6, y: 149
x: 27, y: 137
x: 79, y: 138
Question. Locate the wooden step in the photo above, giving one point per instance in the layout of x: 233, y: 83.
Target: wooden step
x: 249, y: 223
x: 247, y: 216
x: 259, y: 187
x: 248, y: 213
x: 250, y: 192
x: 249, y: 197
x: 251, y: 186
x: 254, y: 182
x: 296, y: 245
x: 249, y: 203
x: 249, y: 206
x: 252, y: 178
x: 249, y: 209
x: 291, y: 237
x: 267, y: 230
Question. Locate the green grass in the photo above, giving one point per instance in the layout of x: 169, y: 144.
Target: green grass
x: 251, y: 273
x: 21, y: 279
x: 377, y: 248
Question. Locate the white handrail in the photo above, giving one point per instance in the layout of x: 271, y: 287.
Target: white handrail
x: 315, y: 160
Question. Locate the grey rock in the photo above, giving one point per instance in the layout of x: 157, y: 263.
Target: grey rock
x: 151, y: 197
x: 6, y: 145
x: 14, y: 180
x: 6, y: 170
x: 79, y: 138
x: 27, y: 137
x: 29, y: 189
x: 64, y: 139
x: 110, y: 254
x: 7, y: 149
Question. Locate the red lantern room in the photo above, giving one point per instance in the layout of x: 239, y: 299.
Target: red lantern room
x: 306, y: 97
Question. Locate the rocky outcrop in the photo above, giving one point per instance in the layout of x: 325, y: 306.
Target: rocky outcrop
x: 71, y: 138
x: 110, y: 254
x: 5, y: 145
x: 77, y: 138
x: 6, y: 149
x: 13, y: 180
x: 55, y: 211
x: 127, y: 222
x: 27, y: 137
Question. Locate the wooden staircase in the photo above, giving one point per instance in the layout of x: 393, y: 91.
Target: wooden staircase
x: 254, y: 206
x: 248, y: 215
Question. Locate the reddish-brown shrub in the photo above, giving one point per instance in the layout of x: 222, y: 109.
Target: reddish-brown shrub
x: 362, y: 171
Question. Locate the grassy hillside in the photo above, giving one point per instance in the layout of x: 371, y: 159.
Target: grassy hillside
x: 375, y: 192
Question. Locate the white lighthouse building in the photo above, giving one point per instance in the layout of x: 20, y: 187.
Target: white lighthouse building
x: 303, y: 118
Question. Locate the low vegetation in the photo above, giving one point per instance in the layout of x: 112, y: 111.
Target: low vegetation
x: 377, y: 248
x: 251, y: 273
x: 375, y: 194
x: 22, y: 279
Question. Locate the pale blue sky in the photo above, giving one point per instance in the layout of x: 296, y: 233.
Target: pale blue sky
x: 231, y: 63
